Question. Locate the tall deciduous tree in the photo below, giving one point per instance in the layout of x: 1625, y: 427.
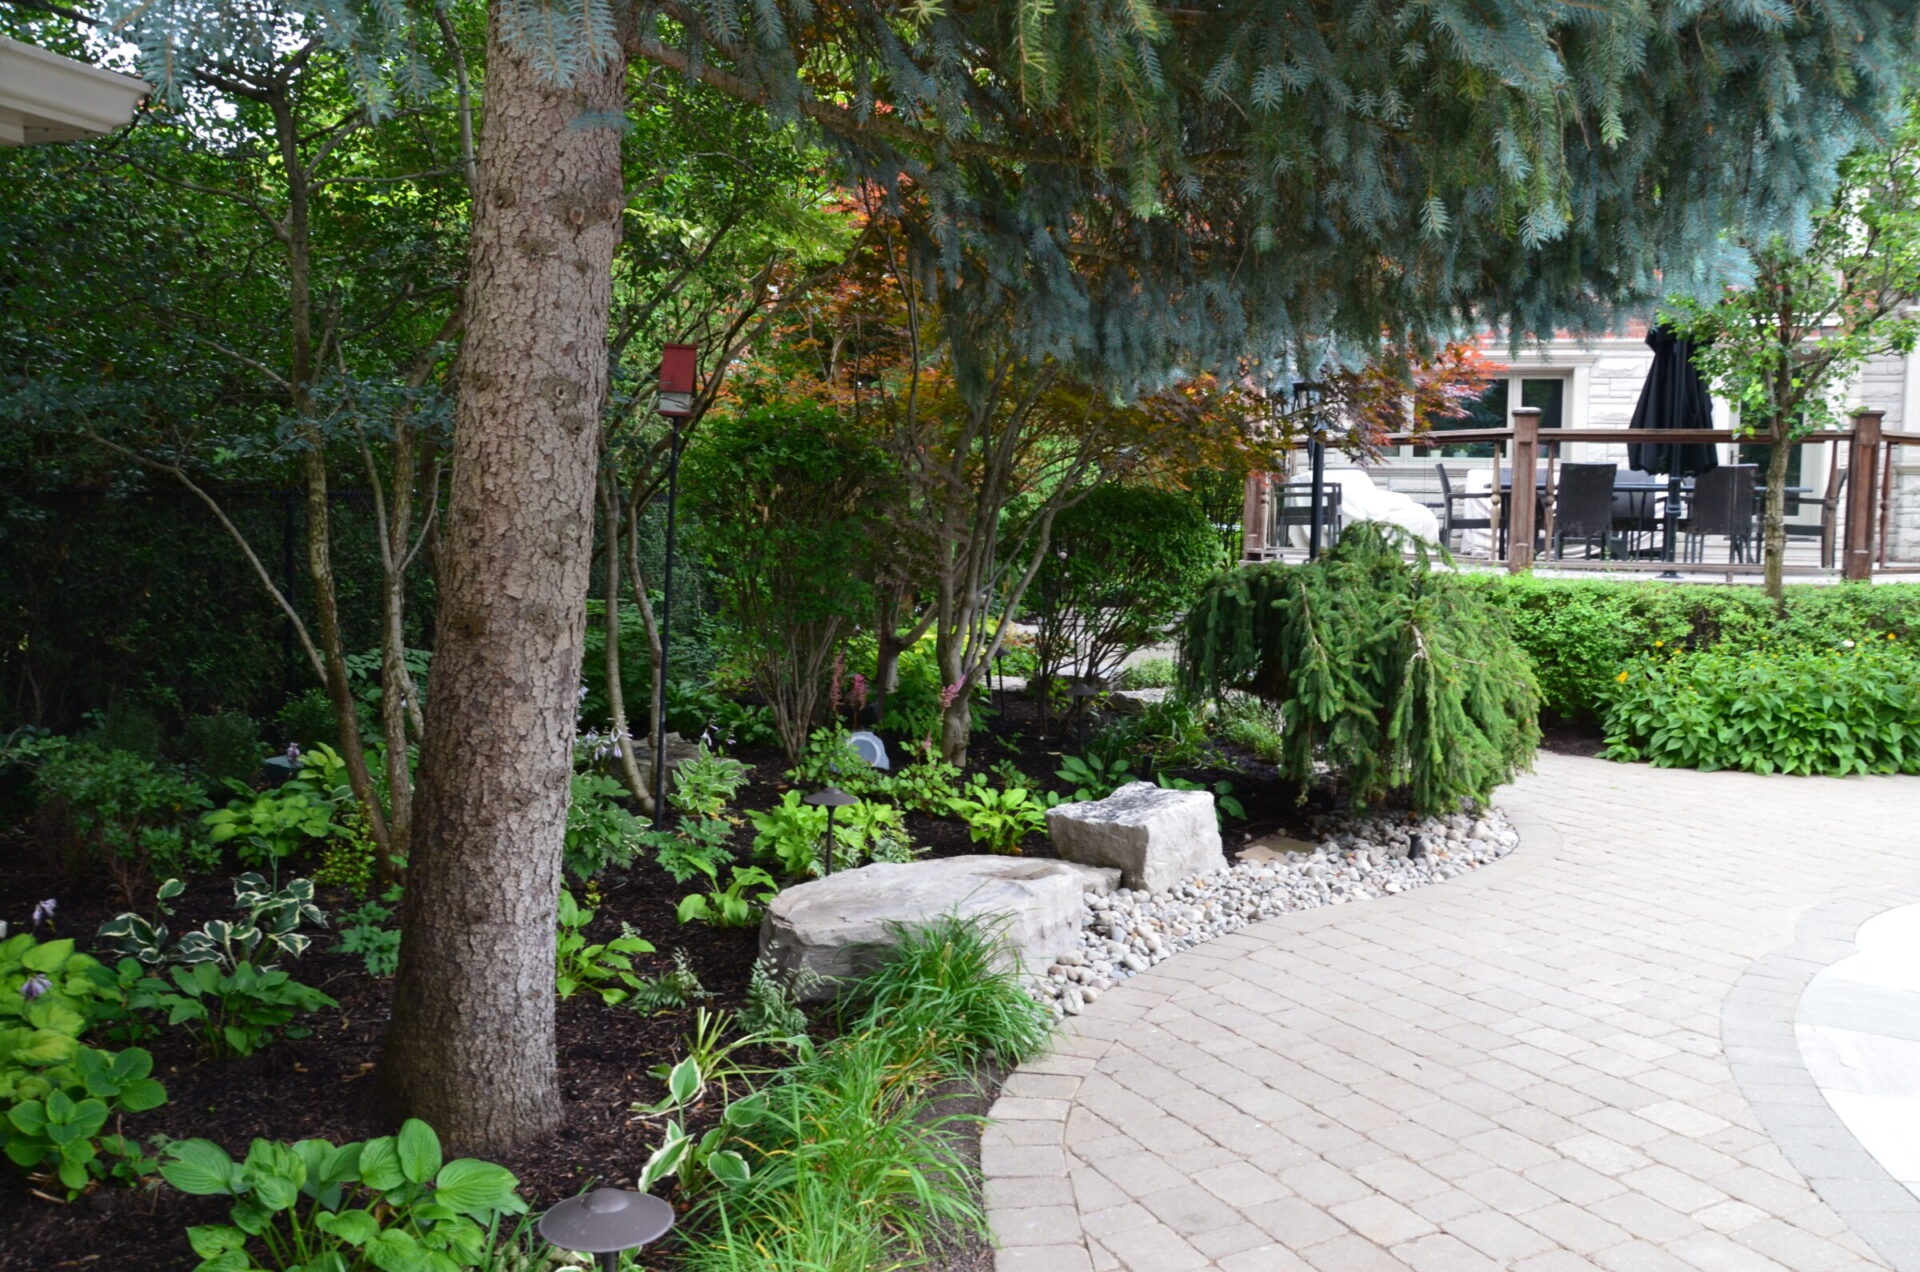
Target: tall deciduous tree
x: 1784, y: 345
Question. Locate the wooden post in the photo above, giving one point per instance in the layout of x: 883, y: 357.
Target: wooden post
x: 1254, y: 517
x: 1526, y: 457
x: 1863, y: 491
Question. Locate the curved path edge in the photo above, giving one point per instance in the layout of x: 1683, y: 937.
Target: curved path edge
x: 1757, y: 1028
x: 1581, y: 1056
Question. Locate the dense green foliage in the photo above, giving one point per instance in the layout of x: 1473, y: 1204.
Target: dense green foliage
x: 1400, y: 678
x: 1580, y: 633
x: 1123, y: 564
x: 1849, y: 709
x: 114, y: 812
x: 786, y: 525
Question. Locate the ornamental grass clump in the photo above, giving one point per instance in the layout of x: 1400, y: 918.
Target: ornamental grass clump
x: 850, y: 1158
x: 1403, y: 681
x: 1852, y: 708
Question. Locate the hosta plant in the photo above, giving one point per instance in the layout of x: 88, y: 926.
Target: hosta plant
x: 391, y: 1203
x: 1000, y: 819
x: 601, y: 967
x: 64, y: 1132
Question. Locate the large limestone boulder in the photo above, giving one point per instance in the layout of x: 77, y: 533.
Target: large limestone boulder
x: 1154, y: 837
x: 841, y: 926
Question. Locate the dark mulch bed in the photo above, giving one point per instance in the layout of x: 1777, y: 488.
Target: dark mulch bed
x: 1572, y: 737
x: 320, y: 1085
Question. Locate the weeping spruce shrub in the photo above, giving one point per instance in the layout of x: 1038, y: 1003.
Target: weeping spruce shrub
x: 1403, y: 680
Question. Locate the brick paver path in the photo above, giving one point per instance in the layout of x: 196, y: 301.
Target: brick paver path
x: 1520, y: 1069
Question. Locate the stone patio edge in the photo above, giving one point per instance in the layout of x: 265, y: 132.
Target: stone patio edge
x: 1757, y: 1033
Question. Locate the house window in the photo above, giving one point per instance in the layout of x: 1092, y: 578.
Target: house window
x: 1493, y: 409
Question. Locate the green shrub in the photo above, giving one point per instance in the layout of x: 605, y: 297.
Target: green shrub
x: 308, y: 720
x: 50, y: 995
x: 1149, y: 673
x: 266, y: 932
x: 1170, y: 733
x: 1125, y: 561
x: 64, y: 1132
x: 692, y: 847
x: 705, y: 783
x: 114, y: 809
x: 636, y: 671
x: 1579, y: 633
x: 785, y: 497
x: 225, y: 745
x: 1853, y: 709
x: 57, y: 1095
x: 267, y: 827
x: 1252, y: 725
x: 125, y: 726
x: 738, y: 904
x: 1401, y: 679
x: 364, y: 931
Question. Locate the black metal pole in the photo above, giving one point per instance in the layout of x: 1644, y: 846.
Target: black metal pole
x: 1318, y: 451
x: 287, y: 582
x: 829, y: 839
x: 666, y: 635
x: 1670, y: 531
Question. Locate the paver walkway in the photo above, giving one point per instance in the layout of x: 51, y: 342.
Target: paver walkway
x: 1521, y: 1069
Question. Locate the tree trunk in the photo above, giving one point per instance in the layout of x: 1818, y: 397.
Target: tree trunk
x: 630, y: 774
x: 1773, y: 525
x: 471, y: 1046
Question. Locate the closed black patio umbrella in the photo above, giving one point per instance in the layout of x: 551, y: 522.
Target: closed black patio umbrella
x: 1674, y: 396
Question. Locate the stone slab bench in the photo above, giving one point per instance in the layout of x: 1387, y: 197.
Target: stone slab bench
x: 842, y: 926
x: 1154, y: 837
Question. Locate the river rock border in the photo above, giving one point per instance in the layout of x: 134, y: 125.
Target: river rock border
x: 1124, y: 932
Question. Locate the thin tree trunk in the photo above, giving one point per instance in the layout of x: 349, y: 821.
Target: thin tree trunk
x: 656, y: 643
x: 616, y: 692
x: 1773, y: 532
x: 471, y: 1047
x: 304, y: 363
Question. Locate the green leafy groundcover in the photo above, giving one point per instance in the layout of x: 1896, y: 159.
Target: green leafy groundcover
x: 1580, y: 633
x: 1853, y: 708
x: 1401, y: 678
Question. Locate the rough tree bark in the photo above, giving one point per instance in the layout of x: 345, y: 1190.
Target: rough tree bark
x: 471, y: 1046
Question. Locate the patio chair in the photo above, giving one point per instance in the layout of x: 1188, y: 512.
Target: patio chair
x: 1450, y: 519
x: 1293, y: 508
x: 1636, y: 512
x: 1583, y: 506
x: 1723, y: 506
x: 1829, y: 506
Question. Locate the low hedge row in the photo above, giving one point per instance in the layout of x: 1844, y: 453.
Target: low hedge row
x: 1579, y: 634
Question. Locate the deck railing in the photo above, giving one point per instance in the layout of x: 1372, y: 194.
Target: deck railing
x: 1863, y: 519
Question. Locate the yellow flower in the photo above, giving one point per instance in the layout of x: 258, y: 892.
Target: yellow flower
x: 1622, y: 677
x: 1659, y: 644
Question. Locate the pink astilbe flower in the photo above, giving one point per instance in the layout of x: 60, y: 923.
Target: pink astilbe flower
x: 833, y: 685
x: 859, y: 693
x: 948, y: 694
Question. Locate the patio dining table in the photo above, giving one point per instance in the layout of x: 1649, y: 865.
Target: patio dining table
x: 1648, y: 491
